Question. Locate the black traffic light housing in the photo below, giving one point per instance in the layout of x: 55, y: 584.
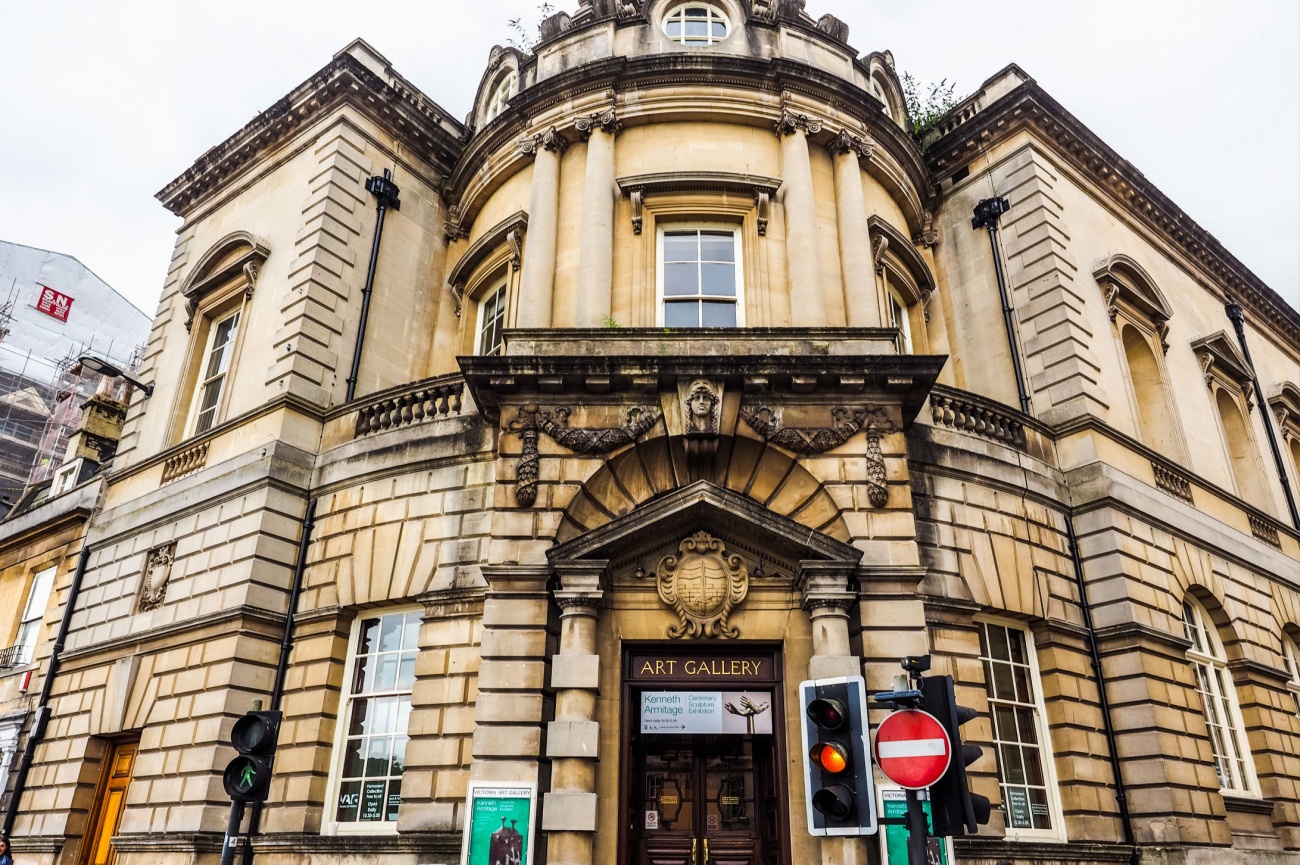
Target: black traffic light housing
x: 954, y: 809
x: 838, y: 785
x: 254, y: 738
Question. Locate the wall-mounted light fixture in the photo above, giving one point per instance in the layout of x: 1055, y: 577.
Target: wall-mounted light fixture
x: 104, y: 368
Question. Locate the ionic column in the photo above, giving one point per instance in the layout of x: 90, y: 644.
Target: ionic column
x: 573, y: 738
x: 807, y: 308
x: 596, y: 243
x: 861, y: 307
x: 824, y: 590
x: 538, y: 281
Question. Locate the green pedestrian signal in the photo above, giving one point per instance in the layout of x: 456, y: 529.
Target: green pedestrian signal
x: 248, y: 777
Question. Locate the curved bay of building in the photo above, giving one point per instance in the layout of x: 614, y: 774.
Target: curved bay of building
x: 683, y: 373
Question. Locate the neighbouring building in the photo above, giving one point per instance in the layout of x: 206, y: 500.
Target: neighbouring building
x: 684, y: 371
x: 53, y: 309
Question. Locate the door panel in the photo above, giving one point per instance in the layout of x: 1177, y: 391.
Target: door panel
x: 106, y: 812
x: 708, y: 796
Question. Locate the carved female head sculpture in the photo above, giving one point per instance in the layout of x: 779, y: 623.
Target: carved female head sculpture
x: 702, y: 403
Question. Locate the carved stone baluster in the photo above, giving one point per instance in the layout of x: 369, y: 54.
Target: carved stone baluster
x: 455, y: 401
x: 417, y: 408
x: 405, y: 415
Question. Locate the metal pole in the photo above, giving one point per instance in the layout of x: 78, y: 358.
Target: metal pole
x: 1108, y: 727
x: 917, y: 853
x: 286, y: 648
x: 385, y: 192
x: 231, y: 840
x: 1239, y: 324
x: 986, y: 216
x: 42, y: 715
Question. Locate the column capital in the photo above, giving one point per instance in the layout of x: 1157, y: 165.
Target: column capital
x: 792, y: 121
x: 548, y: 139
x: 606, y: 121
x: 580, y: 590
x: 845, y: 141
x: 824, y: 588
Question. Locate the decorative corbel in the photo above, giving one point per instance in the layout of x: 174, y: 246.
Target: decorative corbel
x: 791, y: 121
x: 1162, y: 331
x: 515, y: 240
x: 451, y: 226
x: 763, y: 198
x: 928, y: 235
x: 1207, y: 361
x: 1111, y: 293
x: 926, y: 296
x: 251, y: 273
x: 878, y: 247
x: 637, y: 197
x: 605, y: 121
x: 458, y: 292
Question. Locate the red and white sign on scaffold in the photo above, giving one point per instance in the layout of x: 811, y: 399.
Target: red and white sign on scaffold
x: 912, y: 749
x: 53, y: 303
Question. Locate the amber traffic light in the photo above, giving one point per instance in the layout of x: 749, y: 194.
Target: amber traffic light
x: 837, y: 772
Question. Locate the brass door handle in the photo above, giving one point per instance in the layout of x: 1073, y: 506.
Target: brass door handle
x: 695, y: 851
x: 706, y: 851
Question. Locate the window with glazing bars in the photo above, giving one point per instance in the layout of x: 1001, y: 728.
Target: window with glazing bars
x: 1218, y: 701
x: 700, y: 277
x: 377, y: 715
x: 216, y: 366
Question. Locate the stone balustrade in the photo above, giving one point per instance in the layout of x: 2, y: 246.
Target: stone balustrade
x: 420, y: 402
x: 964, y: 411
x: 182, y: 463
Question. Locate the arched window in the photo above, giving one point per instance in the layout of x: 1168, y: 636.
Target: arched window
x: 697, y: 24
x: 1241, y: 449
x: 1232, y: 760
x: 501, y: 95
x: 907, y: 285
x: 1156, y: 426
x: 899, y: 318
x: 1291, y: 657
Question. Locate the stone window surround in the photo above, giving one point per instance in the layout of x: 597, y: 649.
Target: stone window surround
x: 1215, y: 658
x: 494, y: 257
x: 697, y: 198
x: 1044, y: 735
x: 738, y: 252
x: 330, y: 826
x: 212, y: 296
x: 1225, y: 370
x: 901, y: 268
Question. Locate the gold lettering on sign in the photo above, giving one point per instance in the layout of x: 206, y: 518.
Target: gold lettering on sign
x: 658, y: 667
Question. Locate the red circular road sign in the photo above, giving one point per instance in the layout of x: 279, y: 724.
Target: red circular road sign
x: 912, y: 749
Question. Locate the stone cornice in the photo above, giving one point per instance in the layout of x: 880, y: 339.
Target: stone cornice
x: 1028, y: 105
x: 424, y: 127
x: 842, y: 101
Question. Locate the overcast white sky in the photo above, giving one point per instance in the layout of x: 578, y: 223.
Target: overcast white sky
x: 101, y: 104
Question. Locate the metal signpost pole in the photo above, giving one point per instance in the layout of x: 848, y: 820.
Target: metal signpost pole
x: 231, y: 840
x: 917, y: 841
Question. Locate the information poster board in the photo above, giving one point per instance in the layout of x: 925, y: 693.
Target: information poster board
x: 893, y: 839
x: 724, y: 712
x: 500, y: 824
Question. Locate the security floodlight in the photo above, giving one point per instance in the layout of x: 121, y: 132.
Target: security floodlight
x: 104, y: 368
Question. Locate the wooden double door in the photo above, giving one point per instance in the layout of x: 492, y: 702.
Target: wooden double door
x: 704, y: 800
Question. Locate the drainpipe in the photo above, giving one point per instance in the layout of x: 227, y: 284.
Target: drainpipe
x: 286, y: 648
x: 986, y: 216
x: 1239, y: 324
x: 385, y: 192
x: 41, y: 717
x: 1108, y: 727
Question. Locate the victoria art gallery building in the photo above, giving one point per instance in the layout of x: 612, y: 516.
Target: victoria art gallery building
x: 676, y: 374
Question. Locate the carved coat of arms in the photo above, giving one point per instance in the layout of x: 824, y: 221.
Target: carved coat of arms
x: 703, y: 584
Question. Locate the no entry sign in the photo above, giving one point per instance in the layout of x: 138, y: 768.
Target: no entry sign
x: 912, y: 749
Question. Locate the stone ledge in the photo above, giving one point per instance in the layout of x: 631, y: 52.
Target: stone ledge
x: 1247, y: 804
x: 999, y: 851
x: 422, y: 842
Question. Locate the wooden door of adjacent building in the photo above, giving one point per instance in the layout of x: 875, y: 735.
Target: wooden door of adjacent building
x: 110, y: 802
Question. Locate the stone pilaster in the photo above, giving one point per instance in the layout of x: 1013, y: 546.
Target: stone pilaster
x: 861, y: 304
x: 538, y: 280
x: 596, y: 242
x: 825, y: 594
x: 807, y: 307
x: 573, y: 738
x: 510, y: 706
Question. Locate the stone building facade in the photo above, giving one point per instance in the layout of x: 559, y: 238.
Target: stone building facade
x: 681, y: 305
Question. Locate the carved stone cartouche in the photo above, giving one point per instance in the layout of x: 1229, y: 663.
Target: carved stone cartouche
x: 703, y: 584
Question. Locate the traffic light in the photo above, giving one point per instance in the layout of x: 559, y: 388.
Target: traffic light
x: 954, y: 809
x: 254, y: 737
x: 837, y: 778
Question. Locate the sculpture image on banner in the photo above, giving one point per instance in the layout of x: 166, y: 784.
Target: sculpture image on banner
x: 501, y: 824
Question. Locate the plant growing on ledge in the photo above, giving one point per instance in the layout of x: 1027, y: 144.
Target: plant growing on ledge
x: 926, y: 105
x: 524, y: 41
